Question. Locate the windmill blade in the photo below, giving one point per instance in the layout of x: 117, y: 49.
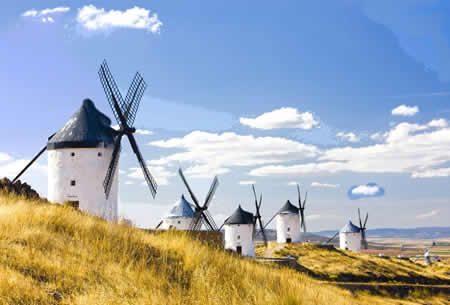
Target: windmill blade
x: 303, y: 223
x: 273, y: 217
x: 112, y: 93
x: 159, y: 224
x: 365, y: 221
x: 196, y: 220
x: 29, y: 164
x: 260, y: 202
x: 209, y: 221
x: 32, y: 161
x: 211, y: 192
x: 304, y: 201
x: 180, y: 172
x: 254, y: 193
x: 299, y: 196
x: 133, y: 98
x: 148, y: 177
x: 107, y: 182
x: 332, y: 237
x: 360, y: 222
x: 262, y: 231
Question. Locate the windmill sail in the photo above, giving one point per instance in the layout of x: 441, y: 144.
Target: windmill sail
x: 125, y: 114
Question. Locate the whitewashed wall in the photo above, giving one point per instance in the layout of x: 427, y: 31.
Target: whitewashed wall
x: 177, y: 223
x: 288, y: 226
x: 350, y: 241
x: 88, y: 169
x: 240, y: 235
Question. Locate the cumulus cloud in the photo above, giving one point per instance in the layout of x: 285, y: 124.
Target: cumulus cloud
x: 144, y: 132
x: 365, y: 191
x: 350, y: 137
x: 92, y: 18
x: 5, y: 157
x: 211, y: 153
x: 45, y: 15
x: 12, y: 167
x: 428, y: 214
x: 324, y: 185
x: 247, y: 182
x: 160, y: 173
x: 285, y: 117
x: 44, y: 12
x: 405, y: 110
x: 418, y: 150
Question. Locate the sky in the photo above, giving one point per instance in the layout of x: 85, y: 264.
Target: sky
x: 350, y: 99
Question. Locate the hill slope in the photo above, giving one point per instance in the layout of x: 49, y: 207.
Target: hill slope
x: 50, y: 254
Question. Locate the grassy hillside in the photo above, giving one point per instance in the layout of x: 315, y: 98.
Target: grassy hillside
x: 337, y: 265
x: 51, y: 254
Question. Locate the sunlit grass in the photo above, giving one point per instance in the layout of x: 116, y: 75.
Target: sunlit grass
x: 51, y: 254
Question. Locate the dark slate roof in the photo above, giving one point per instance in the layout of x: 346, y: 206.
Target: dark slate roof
x: 288, y: 208
x: 87, y: 128
x: 350, y: 228
x: 240, y: 217
x: 181, y: 208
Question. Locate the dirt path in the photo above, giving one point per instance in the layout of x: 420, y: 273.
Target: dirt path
x: 269, y: 252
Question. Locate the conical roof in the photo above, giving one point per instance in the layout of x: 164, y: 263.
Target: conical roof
x: 288, y: 208
x: 240, y: 217
x: 350, y: 228
x: 87, y: 128
x: 181, y: 208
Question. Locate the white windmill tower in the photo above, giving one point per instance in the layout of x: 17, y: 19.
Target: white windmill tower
x: 179, y: 217
x: 239, y: 232
x: 83, y: 156
x: 350, y: 237
x: 288, y: 223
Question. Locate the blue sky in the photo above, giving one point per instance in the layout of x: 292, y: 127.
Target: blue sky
x: 334, y: 95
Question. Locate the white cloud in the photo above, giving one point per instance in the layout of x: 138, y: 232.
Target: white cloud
x: 211, y: 154
x: 144, y: 132
x: 325, y: 185
x: 12, y: 168
x: 247, y: 182
x: 405, y: 110
x: 378, y: 136
x: 407, y: 148
x: 129, y: 182
x: 5, y: 157
x: 313, y: 216
x: 292, y: 183
x: 285, y: 117
x: 47, y: 19
x: 350, y: 137
x: 43, y: 15
x: 92, y: 18
x: 428, y: 214
x: 160, y: 173
x: 430, y: 173
x: 440, y: 123
x: 366, y: 190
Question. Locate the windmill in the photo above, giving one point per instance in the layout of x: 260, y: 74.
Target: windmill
x: 202, y: 216
x: 302, y: 208
x: 257, y: 218
x: 125, y: 112
x: 362, y: 227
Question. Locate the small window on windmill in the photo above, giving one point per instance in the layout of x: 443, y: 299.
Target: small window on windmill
x: 72, y: 154
x: 99, y: 154
x: 72, y: 183
x: 179, y: 222
x: 289, y: 229
x: 239, y: 237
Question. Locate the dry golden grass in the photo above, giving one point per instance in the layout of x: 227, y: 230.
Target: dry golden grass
x: 51, y: 254
x: 339, y: 265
